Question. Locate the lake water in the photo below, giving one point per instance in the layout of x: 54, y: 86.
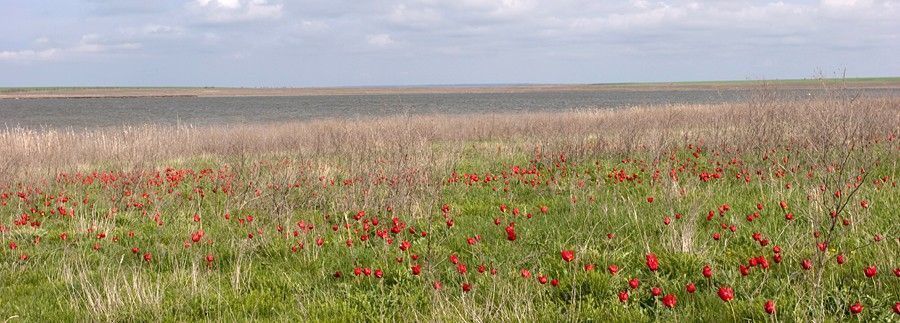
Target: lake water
x: 105, y: 112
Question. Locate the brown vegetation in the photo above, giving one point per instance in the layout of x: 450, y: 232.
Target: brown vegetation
x: 762, y: 122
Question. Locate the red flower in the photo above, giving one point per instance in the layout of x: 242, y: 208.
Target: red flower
x: 623, y: 296
x: 691, y: 288
x: 707, y: 272
x: 769, y: 306
x: 806, y: 264
x: 856, y: 308
x: 525, y: 273
x: 568, y: 255
x: 656, y: 291
x: 634, y: 283
x: 466, y: 287
x: 613, y: 269
x: 511, y: 232
x: 148, y: 257
x: 416, y: 269
x: 726, y: 293
x: 196, y: 236
x: 652, y: 262
x: 871, y: 271
x: 669, y: 300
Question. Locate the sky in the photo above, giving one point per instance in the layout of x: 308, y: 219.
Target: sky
x: 313, y: 43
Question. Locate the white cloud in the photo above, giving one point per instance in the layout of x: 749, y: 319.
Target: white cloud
x: 29, y: 55
x: 414, y: 17
x: 229, y: 11
x: 380, y: 40
x: 89, y: 44
x: 844, y: 4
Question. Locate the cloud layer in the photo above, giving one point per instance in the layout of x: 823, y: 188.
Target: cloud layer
x: 400, y: 42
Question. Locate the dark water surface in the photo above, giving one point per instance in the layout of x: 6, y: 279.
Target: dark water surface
x: 105, y: 112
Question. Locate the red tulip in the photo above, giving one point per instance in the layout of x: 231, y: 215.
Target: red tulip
x: 707, y: 272
x: 634, y: 283
x: 656, y: 291
x: 652, y: 262
x: 511, y: 232
x: 196, y: 236
x: 806, y: 264
x: 148, y: 257
x: 871, y: 271
x: 568, y: 255
x: 897, y: 308
x: 769, y: 306
x: 726, y: 293
x: 669, y: 300
x: 856, y: 308
x: 525, y: 273
x: 613, y: 269
x: 623, y: 296
x: 466, y: 287
x: 691, y: 288
x: 416, y: 269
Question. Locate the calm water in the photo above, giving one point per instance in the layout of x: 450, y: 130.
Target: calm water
x: 100, y: 112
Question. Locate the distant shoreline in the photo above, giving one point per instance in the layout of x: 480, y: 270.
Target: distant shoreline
x: 130, y: 92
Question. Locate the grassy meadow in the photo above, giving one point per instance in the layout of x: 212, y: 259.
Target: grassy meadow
x: 766, y: 210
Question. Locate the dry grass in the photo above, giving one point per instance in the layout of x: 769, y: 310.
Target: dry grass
x: 758, y: 123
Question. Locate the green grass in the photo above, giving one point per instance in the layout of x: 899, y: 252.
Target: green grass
x: 261, y: 278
